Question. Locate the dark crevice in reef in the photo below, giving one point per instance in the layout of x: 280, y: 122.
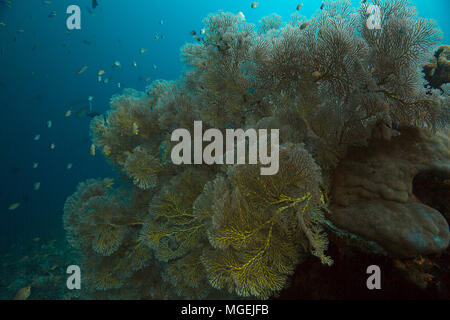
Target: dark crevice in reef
x: 346, y: 278
x: 433, y: 189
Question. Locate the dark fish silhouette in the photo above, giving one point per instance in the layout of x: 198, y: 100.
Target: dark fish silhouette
x: 38, y: 97
x: 94, y: 4
x: 25, y: 198
x: 88, y: 9
x: 93, y: 114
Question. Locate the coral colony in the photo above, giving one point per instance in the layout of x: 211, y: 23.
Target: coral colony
x: 334, y: 89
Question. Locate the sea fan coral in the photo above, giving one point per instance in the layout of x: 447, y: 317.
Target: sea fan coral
x: 255, y: 226
x: 173, y: 228
x: 130, y: 123
x: 142, y: 168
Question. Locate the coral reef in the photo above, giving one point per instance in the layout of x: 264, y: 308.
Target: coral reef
x: 437, y: 71
x: 331, y: 86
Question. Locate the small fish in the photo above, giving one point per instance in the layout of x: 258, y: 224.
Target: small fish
x: 2, y: 24
x: 155, y: 37
x: 241, y: 15
x: 94, y: 4
x: 135, y: 128
x: 87, y: 42
x: 154, y: 67
x: 35, y: 165
x: 106, y: 150
x: 23, y: 293
x: 100, y: 72
x: 37, y: 137
x: 116, y: 64
x: 254, y: 5
x: 52, y: 146
x: 25, y: 198
x: 109, y: 185
x: 147, y: 79
x: 82, y: 69
x: 304, y: 25
x: 321, y: 7
x: 106, y: 80
x: 89, y: 10
x: 93, y: 114
x: 316, y: 74
x: 68, y: 113
x: 197, y: 38
x: 99, y: 79
x: 118, y: 85
x: 52, y: 14
x: 134, y: 64
x: 161, y: 22
x: 37, y: 186
x: 203, y: 31
x: 193, y: 33
x: 49, y: 124
x: 14, y: 206
x: 81, y: 112
x: 142, y: 50
x: 90, y: 98
x: 69, y: 166
x: 92, y: 150
x: 36, y: 239
x: 299, y: 6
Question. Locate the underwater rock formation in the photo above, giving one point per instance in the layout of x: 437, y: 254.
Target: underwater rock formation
x: 437, y: 71
x: 329, y: 85
x: 373, y: 193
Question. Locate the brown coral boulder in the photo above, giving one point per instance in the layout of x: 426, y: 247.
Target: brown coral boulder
x: 373, y: 193
x: 437, y: 71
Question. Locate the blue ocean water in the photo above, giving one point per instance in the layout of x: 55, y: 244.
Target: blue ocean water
x: 39, y: 61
